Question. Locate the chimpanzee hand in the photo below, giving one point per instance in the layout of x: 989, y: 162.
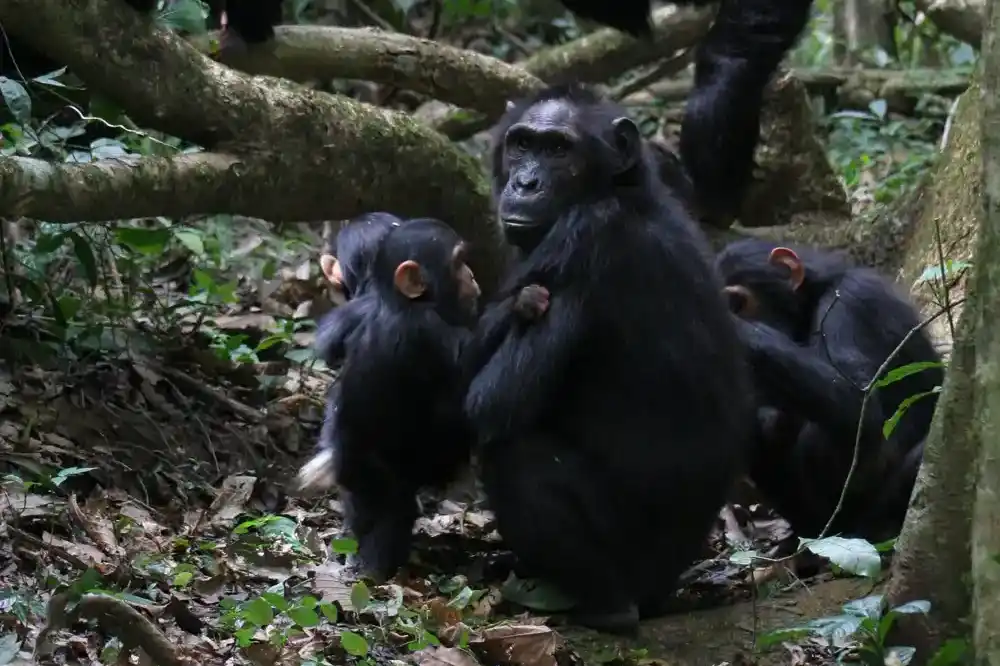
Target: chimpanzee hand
x: 532, y: 302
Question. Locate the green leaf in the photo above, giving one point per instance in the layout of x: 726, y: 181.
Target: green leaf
x: 85, y: 255
x: 780, y: 636
x: 276, y: 601
x: 952, y: 652
x: 329, y: 611
x: 354, y: 644
x: 183, y: 578
x: 921, y: 606
x: 870, y: 607
x: 65, y: 474
x: 184, y: 16
x: 743, y: 558
x: 893, y: 420
x: 854, y: 555
x: 309, y: 602
x: 48, y: 243
x: 905, y: 371
x: 145, y: 241
x: 837, y: 629
x: 17, y: 99
x: 904, y: 654
x: 360, y: 596
x: 935, y: 273
x: 258, y: 612
x: 192, y: 240
x: 304, y: 617
x: 344, y: 546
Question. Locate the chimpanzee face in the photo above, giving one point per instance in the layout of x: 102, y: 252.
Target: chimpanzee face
x: 468, y: 288
x: 554, y: 158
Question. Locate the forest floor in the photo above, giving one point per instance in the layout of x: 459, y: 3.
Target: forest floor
x: 165, y: 489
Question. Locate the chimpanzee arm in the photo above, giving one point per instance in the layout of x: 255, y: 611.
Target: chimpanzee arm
x: 515, y: 383
x: 801, y: 380
x: 339, y: 325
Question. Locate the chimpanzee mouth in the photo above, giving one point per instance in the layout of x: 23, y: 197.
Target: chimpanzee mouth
x: 519, y: 222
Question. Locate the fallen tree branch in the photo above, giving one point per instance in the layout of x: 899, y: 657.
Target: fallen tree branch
x: 457, y: 76
x: 601, y: 55
x: 879, y: 83
x: 284, y: 152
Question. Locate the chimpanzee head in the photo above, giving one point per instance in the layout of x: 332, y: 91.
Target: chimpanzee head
x: 772, y: 284
x: 423, y: 261
x: 347, y: 260
x: 561, y: 149
x: 629, y: 16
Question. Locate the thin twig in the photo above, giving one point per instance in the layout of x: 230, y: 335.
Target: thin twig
x: 864, y: 408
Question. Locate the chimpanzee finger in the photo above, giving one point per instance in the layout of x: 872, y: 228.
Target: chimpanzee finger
x: 532, y: 302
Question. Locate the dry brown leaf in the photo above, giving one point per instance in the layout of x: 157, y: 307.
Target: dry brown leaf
x: 231, y: 500
x: 444, y: 656
x: 29, y: 505
x: 85, y: 552
x: 331, y: 583
x: 520, y: 645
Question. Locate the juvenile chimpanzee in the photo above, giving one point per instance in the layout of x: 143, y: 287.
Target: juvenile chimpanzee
x: 346, y: 263
x: 614, y: 426
x: 399, y: 426
x: 817, y: 330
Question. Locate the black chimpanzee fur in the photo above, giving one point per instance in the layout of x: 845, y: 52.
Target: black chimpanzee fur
x: 399, y: 426
x: 813, y: 349
x: 354, y: 248
x: 614, y: 426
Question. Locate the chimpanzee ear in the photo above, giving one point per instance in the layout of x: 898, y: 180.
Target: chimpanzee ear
x: 628, y: 141
x: 331, y: 269
x: 782, y: 256
x: 408, y: 279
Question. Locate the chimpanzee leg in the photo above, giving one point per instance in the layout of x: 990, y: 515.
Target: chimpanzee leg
x: 382, y: 522
x: 885, y: 517
x: 549, y: 514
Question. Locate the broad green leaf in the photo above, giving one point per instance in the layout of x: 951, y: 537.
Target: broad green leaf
x: 781, y: 635
x: 184, y: 16
x: 903, y: 653
x: 904, y: 371
x: 952, y: 652
x: 192, y: 240
x: 329, y: 611
x: 870, y: 607
x: 856, y: 556
x: 743, y: 558
x: 145, y: 241
x: 354, y: 644
x: 258, y: 612
x: 344, y: 546
x: 69, y: 472
x: 85, y: 255
x: 890, y: 425
x: 183, y: 578
x: 921, y: 606
x: 304, y: 617
x: 934, y: 272
x: 48, y: 243
x: 17, y: 99
x: 837, y: 629
x: 276, y: 600
x: 9, y: 645
x: 360, y: 596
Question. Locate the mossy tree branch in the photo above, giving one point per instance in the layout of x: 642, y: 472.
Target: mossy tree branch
x: 457, y: 76
x: 599, y: 56
x: 283, y: 152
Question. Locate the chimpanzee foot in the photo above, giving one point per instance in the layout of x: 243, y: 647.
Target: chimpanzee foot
x: 622, y: 621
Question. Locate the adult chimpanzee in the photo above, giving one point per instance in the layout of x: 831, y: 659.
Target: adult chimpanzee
x: 346, y: 263
x: 817, y: 330
x: 614, y: 426
x: 399, y: 425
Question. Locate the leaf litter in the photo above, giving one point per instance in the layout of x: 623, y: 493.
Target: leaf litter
x: 145, y: 516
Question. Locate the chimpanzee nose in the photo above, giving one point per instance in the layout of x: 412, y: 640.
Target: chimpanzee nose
x: 527, y: 182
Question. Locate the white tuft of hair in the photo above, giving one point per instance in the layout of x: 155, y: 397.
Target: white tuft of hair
x: 317, y: 475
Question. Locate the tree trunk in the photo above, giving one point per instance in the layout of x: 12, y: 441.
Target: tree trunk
x: 986, y: 287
